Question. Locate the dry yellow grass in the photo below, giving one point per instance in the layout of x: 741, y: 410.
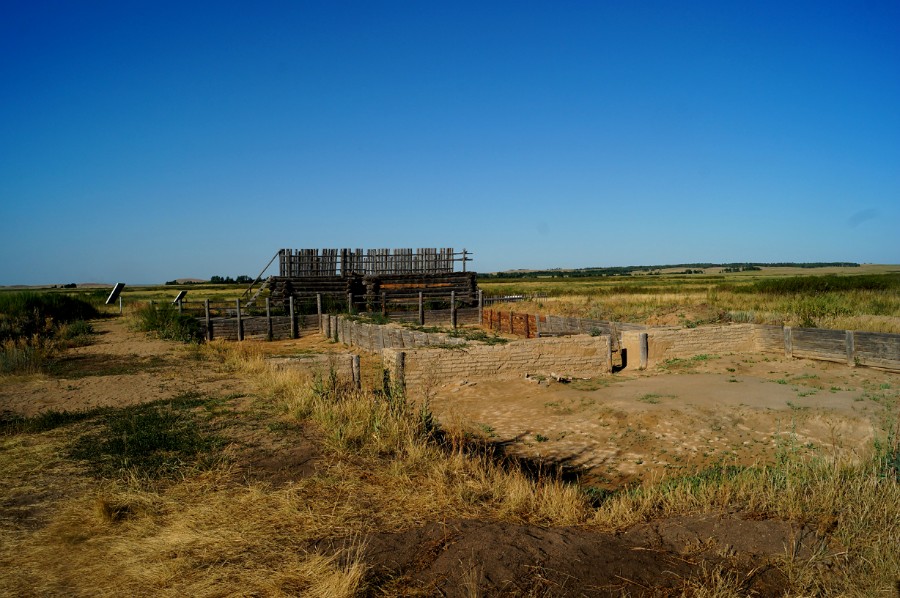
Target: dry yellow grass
x: 210, y: 533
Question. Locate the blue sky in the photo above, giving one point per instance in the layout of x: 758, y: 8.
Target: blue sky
x: 145, y: 141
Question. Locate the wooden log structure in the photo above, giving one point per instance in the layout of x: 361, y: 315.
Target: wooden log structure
x: 371, y: 289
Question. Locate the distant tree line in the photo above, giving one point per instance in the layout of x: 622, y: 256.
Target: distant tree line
x: 242, y: 279
x: 696, y: 268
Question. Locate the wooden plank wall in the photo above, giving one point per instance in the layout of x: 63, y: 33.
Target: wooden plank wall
x: 256, y: 327
x: 541, y: 325
x: 878, y: 350
x: 345, y: 262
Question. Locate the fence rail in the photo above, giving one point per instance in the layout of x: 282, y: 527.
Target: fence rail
x: 492, y: 299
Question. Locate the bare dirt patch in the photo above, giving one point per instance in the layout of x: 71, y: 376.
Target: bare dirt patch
x: 464, y: 557
x: 121, y: 368
x: 691, y: 414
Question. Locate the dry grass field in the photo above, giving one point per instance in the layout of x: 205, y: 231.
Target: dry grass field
x: 131, y: 465
x: 768, y: 296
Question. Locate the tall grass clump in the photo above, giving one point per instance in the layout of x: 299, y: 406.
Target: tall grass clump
x: 165, y: 321
x: 22, y: 315
x: 850, y: 508
x: 34, y: 325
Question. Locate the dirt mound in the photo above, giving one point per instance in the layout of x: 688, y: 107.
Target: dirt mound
x: 466, y: 557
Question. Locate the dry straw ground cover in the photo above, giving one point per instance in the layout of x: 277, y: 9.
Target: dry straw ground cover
x: 303, y: 485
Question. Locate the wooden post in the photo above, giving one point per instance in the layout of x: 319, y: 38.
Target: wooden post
x: 480, y: 307
x: 383, y: 303
x: 511, y: 330
x: 609, y: 367
x: 240, y: 324
x: 269, y: 331
x: 421, y: 309
x: 537, y: 325
x: 180, y: 308
x: 294, y: 318
x: 326, y: 331
x: 851, y: 348
x: 527, y: 330
x: 354, y: 370
x: 453, y: 309
x: 151, y: 304
x: 788, y: 342
x: 645, y: 350
x: 209, y: 331
x: 120, y: 305
x: 318, y: 308
x: 350, y: 303
x: 399, y: 380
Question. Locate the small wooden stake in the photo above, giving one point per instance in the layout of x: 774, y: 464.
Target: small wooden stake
x: 354, y: 368
x: 318, y: 309
x: 240, y: 324
x: 453, y: 309
x: 294, y: 318
x: 645, y: 350
x: 421, y: 309
x: 209, y: 331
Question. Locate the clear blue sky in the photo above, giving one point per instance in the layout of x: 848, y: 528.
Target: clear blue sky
x: 145, y: 141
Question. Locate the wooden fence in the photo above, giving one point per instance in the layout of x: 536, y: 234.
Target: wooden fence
x: 854, y: 347
x: 536, y: 325
x: 344, y: 262
x: 278, y: 320
x: 492, y: 299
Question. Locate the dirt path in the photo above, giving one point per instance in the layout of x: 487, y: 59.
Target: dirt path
x: 732, y: 409
x: 121, y: 368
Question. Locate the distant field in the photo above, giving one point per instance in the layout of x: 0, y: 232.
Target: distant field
x: 860, y: 298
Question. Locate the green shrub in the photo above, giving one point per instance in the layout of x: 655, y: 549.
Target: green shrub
x: 823, y: 284
x: 165, y: 321
x: 25, y: 314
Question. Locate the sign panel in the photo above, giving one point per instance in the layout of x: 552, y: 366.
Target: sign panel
x: 115, y: 293
x: 179, y: 297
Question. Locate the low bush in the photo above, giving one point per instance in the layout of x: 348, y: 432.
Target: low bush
x: 165, y: 321
x: 25, y: 314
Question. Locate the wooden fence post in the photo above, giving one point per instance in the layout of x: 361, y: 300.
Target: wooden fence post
x: 354, y: 370
x: 537, y: 325
x: 421, y: 309
x: 609, y: 366
x: 851, y: 348
x: 383, y: 304
x: 788, y: 342
x: 645, y: 350
x: 294, y: 317
x: 511, y: 330
x: 209, y: 330
x: 527, y: 331
x: 240, y: 324
x: 269, y: 331
x: 453, y: 309
x: 480, y: 307
x: 399, y: 380
x: 318, y: 308
x: 350, y: 303
x: 180, y: 308
x: 120, y: 305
